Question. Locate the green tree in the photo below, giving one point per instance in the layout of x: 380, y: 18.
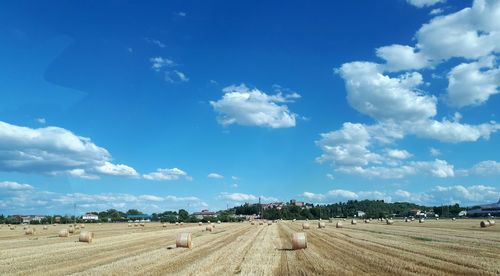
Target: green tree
x: 183, y: 215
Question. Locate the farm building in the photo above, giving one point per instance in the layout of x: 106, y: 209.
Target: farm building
x: 485, y: 210
x: 89, y: 216
x: 203, y: 214
x: 139, y: 217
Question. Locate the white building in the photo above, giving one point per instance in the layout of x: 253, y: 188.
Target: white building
x: 90, y: 217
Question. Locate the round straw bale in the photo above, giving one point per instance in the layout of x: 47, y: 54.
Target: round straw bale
x: 389, y: 222
x: 176, y: 223
x: 45, y: 227
x: 353, y: 222
x: 77, y: 227
x: 269, y: 223
x: 339, y: 224
x: 421, y: 220
x: 142, y: 224
x: 344, y: 219
x: 136, y: 224
x: 63, y: 233
x: 437, y: 218
x: 86, y: 236
x: 183, y: 240
x: 412, y: 219
x: 71, y: 230
x: 407, y: 220
x: 484, y: 223
x: 12, y: 228
x: 30, y: 231
x: 209, y: 228
x: 453, y: 219
x: 321, y: 224
x: 293, y: 220
x: 367, y: 221
x: 218, y: 222
x: 182, y: 223
x: 252, y: 223
x: 208, y: 221
x: 200, y: 223
x: 261, y: 222
x: 492, y: 222
x: 82, y: 226
x: 25, y: 227
x: 100, y: 223
x: 299, y: 241
x: 306, y: 225
x: 164, y: 225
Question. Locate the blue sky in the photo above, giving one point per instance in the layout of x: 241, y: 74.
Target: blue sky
x: 198, y: 104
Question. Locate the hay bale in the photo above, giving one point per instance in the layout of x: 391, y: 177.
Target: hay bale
x: 412, y: 219
x: 77, y: 227
x: 344, y: 219
x: 407, y: 220
x: 29, y: 231
x: 64, y: 233
x: 25, y: 227
x: 389, y: 222
x: 82, y: 226
x: 330, y: 220
x: 136, y: 224
x: 321, y: 224
x: 86, y: 236
x: 218, y: 222
x: 184, y: 240
x: 164, y: 225
x: 182, y: 223
x: 293, y: 220
x: 142, y: 224
x: 200, y: 223
x: 252, y: 223
x: 453, y: 219
x: 209, y: 228
x: 484, y: 223
x: 339, y: 224
x: 130, y: 225
x: 367, y: 221
x: 421, y: 220
x: 299, y: 241
x: 437, y: 218
x: 54, y: 224
x: 71, y: 230
x: 353, y: 222
x: 269, y: 223
x: 306, y: 225
x: 12, y: 228
x: 45, y: 227
x: 261, y: 222
x: 492, y: 222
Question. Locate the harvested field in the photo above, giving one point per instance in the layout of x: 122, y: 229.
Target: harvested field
x: 439, y: 247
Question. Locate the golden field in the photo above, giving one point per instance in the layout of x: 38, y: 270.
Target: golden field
x: 441, y: 247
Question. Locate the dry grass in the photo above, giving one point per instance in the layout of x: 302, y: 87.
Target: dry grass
x: 443, y: 247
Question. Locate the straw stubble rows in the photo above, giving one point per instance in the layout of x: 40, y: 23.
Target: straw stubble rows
x: 434, y: 248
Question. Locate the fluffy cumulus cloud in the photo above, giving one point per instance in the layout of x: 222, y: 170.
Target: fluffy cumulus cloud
x: 241, y: 197
x: 17, y: 197
x: 381, y: 97
x: 488, y: 167
x: 167, y: 175
x: 55, y: 151
x: 473, y: 83
x: 215, y: 176
x: 401, y: 57
x: 12, y: 185
x: 465, y: 195
x: 424, y: 3
x: 252, y: 107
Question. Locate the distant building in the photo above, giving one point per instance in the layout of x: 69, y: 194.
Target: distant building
x: 139, y: 217
x: 361, y: 214
x: 296, y: 203
x: 486, y: 210
x: 462, y: 213
x: 274, y: 205
x: 29, y: 218
x: 89, y: 216
x: 203, y: 214
x: 57, y: 219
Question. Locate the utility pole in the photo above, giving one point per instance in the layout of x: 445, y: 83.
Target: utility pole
x: 74, y: 213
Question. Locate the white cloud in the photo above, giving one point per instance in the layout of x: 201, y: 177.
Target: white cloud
x: 174, y: 76
x: 181, y: 14
x: 157, y: 63
x: 150, y: 198
x: 116, y: 169
x: 401, y: 57
x: 313, y: 196
x: 342, y: 194
x: 330, y: 176
x: 384, y: 98
x: 156, y: 42
x: 473, y: 194
x: 234, y: 178
x: 241, y: 197
x: 488, y: 167
x: 167, y: 175
x: 234, y: 185
x: 11, y: 185
x: 473, y: 83
x: 438, y: 168
x: 469, y: 33
x: 398, y: 154
x: 41, y: 121
x: 215, y: 176
x: 436, y: 11
x: 53, y: 151
x: 424, y: 3
x: 451, y: 131
x: 434, y: 152
x: 252, y: 107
